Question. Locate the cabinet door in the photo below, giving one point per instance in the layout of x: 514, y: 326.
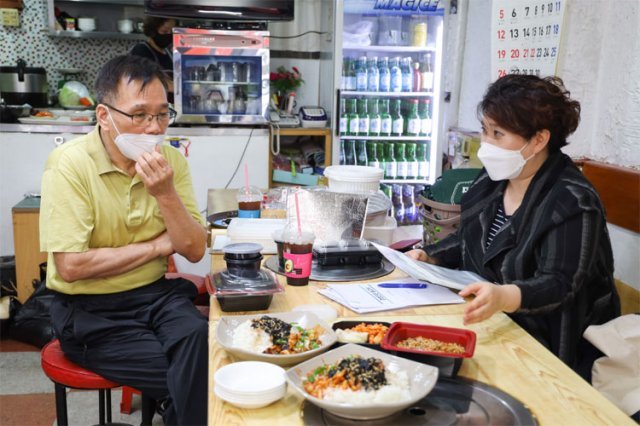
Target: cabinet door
x: 22, y: 160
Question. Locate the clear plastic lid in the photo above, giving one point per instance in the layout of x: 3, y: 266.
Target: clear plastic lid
x: 242, y: 248
x: 225, y: 284
x: 249, y: 194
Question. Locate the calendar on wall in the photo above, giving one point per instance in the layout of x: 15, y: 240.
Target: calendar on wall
x: 525, y: 37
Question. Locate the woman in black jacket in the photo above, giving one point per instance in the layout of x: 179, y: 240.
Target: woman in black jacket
x: 532, y: 225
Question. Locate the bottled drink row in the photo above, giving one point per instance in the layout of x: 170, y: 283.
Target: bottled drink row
x: 372, y: 117
x: 405, y: 202
x: 399, y: 160
x: 397, y: 74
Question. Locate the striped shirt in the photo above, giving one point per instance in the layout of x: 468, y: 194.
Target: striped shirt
x: 498, y: 223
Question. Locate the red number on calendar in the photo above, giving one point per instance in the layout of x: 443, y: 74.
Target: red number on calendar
x: 501, y: 13
x: 501, y: 73
x: 502, y: 54
x: 515, y: 53
x: 501, y: 34
x: 525, y: 53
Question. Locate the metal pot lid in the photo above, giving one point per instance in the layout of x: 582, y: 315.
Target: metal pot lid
x: 456, y: 401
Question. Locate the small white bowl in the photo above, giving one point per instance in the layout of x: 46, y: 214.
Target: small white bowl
x: 250, y: 378
x: 244, y: 403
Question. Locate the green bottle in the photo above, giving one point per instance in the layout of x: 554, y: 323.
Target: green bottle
x: 385, y: 118
x: 422, y: 153
x: 350, y: 152
x: 412, y: 118
x: 363, y: 115
x: 374, y: 118
x: 344, y: 118
x: 401, y: 161
x: 380, y: 155
x: 361, y: 151
x: 425, y: 117
x: 354, y: 120
x: 372, y: 155
x: 390, y: 165
x: 412, y: 161
x: 397, y: 120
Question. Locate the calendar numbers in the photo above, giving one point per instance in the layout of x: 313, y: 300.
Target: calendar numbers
x: 526, y: 36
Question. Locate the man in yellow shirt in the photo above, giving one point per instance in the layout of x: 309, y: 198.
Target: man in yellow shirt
x: 115, y: 205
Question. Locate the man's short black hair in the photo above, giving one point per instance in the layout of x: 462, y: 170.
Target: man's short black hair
x: 129, y: 67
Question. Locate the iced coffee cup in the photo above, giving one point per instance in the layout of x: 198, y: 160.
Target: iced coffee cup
x: 298, y: 255
x: 249, y: 200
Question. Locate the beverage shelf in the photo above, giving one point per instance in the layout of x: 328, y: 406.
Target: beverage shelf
x: 406, y: 49
x: 419, y: 181
x: 390, y: 94
x: 387, y: 138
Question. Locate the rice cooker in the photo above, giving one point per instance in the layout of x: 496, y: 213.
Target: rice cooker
x: 22, y: 84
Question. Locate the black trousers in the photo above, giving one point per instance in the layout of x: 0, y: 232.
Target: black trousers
x: 151, y: 338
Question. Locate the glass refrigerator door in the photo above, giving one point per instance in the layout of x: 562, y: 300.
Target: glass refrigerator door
x: 391, y: 57
x: 221, y: 76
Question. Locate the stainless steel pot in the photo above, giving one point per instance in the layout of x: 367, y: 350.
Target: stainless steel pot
x: 21, y: 84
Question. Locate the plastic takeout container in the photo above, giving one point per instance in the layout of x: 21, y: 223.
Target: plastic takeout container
x: 255, y: 231
x: 382, y: 233
x: 448, y: 364
x: 345, y: 325
x: 235, y: 294
x: 353, y: 179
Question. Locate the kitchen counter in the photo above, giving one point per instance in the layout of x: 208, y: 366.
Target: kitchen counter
x: 189, y: 130
x: 505, y: 357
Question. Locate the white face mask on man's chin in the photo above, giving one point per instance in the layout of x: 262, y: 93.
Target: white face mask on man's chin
x: 501, y: 163
x: 133, y: 145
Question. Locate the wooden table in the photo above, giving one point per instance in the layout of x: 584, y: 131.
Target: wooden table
x: 505, y: 357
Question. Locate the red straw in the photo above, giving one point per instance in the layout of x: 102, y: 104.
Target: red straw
x: 298, y: 215
x: 246, y: 178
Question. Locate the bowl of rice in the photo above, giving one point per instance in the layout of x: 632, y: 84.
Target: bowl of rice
x: 356, y: 382
x: 284, y: 338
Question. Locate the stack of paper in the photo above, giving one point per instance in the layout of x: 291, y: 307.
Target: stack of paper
x: 425, y: 271
x: 396, y: 294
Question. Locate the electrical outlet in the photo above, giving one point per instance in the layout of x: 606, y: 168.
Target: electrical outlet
x: 10, y: 17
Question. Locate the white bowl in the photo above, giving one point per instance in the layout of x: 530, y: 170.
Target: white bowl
x: 422, y: 378
x: 228, y: 324
x: 241, y: 403
x: 250, y: 378
x: 86, y: 24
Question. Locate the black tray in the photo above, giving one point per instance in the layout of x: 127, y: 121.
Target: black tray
x: 338, y: 273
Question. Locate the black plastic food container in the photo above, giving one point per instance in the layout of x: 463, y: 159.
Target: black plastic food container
x: 238, y: 294
x: 243, y: 259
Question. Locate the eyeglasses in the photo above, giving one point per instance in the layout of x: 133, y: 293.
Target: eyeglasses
x: 142, y: 119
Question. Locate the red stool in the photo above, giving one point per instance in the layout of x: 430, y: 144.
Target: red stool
x: 65, y: 374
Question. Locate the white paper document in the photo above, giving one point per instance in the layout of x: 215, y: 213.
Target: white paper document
x: 425, y: 271
x: 374, y: 297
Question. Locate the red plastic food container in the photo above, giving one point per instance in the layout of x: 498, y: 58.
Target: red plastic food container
x: 449, y: 364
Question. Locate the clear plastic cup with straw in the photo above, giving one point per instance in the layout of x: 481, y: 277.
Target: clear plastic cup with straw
x: 297, y: 251
x: 249, y: 199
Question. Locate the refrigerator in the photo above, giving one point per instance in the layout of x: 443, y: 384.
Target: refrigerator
x: 375, y: 34
x: 221, y: 76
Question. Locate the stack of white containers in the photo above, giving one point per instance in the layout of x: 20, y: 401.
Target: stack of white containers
x: 250, y: 384
x: 363, y: 180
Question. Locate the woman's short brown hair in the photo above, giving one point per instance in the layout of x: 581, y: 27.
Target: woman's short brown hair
x: 526, y: 104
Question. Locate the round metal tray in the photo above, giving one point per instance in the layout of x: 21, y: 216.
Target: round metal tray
x: 451, y: 402
x: 338, y: 273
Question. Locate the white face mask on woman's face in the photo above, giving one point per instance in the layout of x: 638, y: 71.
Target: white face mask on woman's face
x: 133, y: 145
x: 502, y: 163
